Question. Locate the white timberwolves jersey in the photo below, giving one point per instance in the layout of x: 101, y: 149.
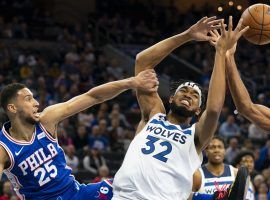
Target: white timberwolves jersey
x: 159, y: 163
x: 210, y: 181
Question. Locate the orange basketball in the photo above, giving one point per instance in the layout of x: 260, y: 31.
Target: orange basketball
x: 257, y: 17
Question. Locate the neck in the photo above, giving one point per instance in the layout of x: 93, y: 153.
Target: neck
x: 21, y: 131
x: 175, y: 119
x: 216, y: 169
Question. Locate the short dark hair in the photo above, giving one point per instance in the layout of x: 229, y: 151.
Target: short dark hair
x: 240, y: 155
x: 216, y: 137
x: 10, y: 92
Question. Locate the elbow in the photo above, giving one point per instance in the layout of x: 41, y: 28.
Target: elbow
x: 213, y: 113
x: 244, y: 108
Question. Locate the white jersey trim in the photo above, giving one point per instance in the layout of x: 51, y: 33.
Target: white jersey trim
x: 10, y: 155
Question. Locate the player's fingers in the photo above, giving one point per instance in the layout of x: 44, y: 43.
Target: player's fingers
x: 216, y: 27
x: 230, y: 24
x: 239, y: 25
x: 222, y: 29
x: 210, y: 19
x: 212, y: 34
x: 212, y: 43
x: 216, y: 32
x: 202, y: 19
x: 243, y: 31
x: 215, y: 22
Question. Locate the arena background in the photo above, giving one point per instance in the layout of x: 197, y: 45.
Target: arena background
x: 61, y: 48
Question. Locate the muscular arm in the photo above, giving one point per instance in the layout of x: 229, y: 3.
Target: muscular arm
x: 52, y: 115
x: 150, y: 104
x: 207, y: 125
x: 258, y: 114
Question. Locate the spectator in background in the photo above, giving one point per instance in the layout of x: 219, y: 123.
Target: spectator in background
x: 224, y: 114
x: 7, y: 191
x: 71, y: 158
x: 255, y: 133
x: 115, y: 70
x: 115, y: 113
x: 103, y: 174
x: 97, y: 140
x: 63, y: 138
x: 264, y: 159
x: 258, y: 180
x: 232, y: 150
x: 229, y: 128
x: 116, y: 133
x: 263, y: 192
x: 93, y: 161
x: 81, y: 139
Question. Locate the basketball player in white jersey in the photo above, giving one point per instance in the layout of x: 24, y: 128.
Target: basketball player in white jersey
x: 162, y: 158
x: 216, y: 175
x: 256, y: 113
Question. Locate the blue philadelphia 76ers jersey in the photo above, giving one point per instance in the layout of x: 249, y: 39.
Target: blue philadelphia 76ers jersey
x: 37, y: 168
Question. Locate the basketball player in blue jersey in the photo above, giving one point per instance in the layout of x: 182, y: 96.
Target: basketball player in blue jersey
x: 163, y: 156
x: 30, y: 155
x: 256, y: 113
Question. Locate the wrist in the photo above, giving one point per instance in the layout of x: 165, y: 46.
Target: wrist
x: 221, y: 51
x: 188, y: 35
x: 229, y: 54
x: 132, y: 83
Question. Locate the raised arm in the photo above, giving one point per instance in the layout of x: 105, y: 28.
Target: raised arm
x: 207, y: 125
x: 151, y: 104
x: 52, y: 115
x: 258, y: 114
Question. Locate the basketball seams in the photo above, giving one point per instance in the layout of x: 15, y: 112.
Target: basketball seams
x: 262, y: 26
x: 253, y: 17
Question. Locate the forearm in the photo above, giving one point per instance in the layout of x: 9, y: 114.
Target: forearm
x: 238, y: 90
x: 110, y: 90
x: 152, y: 56
x: 217, y: 86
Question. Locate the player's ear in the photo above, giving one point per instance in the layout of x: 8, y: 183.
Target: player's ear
x: 198, y: 111
x: 12, y: 108
x: 171, y: 99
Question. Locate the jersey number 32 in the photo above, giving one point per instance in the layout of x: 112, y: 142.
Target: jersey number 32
x: 151, y: 146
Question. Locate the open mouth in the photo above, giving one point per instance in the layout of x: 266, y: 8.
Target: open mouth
x: 36, y: 113
x: 185, y: 102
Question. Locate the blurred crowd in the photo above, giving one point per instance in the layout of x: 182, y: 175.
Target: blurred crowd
x: 95, y: 140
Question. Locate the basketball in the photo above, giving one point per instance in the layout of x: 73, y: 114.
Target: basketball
x: 257, y: 17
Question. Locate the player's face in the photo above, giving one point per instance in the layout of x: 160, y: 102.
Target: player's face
x: 248, y: 162
x: 27, y: 106
x: 215, y: 152
x: 185, y: 102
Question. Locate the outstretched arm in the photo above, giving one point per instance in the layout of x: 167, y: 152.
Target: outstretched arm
x: 258, y: 114
x: 150, y: 104
x: 52, y: 115
x: 207, y: 125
